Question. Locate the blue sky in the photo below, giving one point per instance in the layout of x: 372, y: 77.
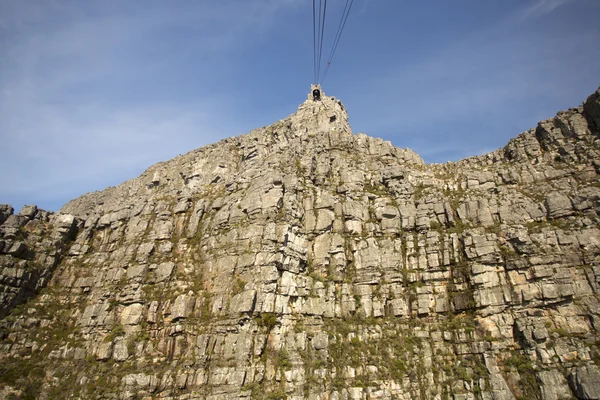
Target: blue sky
x: 94, y: 92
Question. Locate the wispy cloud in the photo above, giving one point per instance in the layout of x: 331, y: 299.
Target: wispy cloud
x: 449, y: 105
x: 541, y: 7
x: 364, y: 6
x: 80, y: 107
x: 94, y: 92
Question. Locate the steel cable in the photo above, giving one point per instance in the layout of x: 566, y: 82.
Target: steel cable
x: 338, y: 36
x: 314, y: 43
x: 322, y: 26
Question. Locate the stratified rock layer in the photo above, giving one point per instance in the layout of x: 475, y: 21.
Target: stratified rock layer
x: 31, y: 246
x: 302, y: 261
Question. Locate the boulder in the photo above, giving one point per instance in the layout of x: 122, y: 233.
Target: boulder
x: 585, y: 382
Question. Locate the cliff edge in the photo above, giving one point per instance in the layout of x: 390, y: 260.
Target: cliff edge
x: 301, y: 261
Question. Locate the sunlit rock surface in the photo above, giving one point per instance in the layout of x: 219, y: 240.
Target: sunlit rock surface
x: 302, y: 261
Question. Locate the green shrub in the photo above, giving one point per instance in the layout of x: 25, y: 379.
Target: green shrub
x: 268, y: 320
x: 276, y: 395
x: 239, y: 286
x: 116, y: 332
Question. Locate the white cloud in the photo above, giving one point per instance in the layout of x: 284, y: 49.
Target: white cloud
x: 94, y: 144
x: 502, y: 73
x: 62, y: 128
x: 541, y: 7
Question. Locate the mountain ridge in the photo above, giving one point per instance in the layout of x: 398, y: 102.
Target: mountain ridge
x: 501, y: 154
x: 303, y: 261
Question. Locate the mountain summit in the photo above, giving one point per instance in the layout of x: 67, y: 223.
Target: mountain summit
x: 302, y: 261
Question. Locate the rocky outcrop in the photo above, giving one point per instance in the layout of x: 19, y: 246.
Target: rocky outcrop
x: 585, y: 382
x: 32, y: 243
x: 304, y: 261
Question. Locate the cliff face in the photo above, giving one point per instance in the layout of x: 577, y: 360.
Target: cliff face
x: 32, y: 244
x: 304, y: 261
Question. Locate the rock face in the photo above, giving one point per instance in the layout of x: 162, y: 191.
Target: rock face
x: 31, y: 245
x: 302, y: 261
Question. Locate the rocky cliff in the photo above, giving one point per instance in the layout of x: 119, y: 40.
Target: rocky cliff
x: 302, y: 261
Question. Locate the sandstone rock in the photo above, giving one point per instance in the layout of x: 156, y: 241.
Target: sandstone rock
x: 132, y: 314
x: 5, y: 211
x: 163, y: 271
x: 65, y: 224
x: 243, y: 302
x: 28, y: 211
x: 120, y: 351
x: 320, y: 341
x: 182, y: 307
x: 17, y: 249
x: 554, y: 385
x: 585, y: 382
x: 104, y: 351
x: 304, y: 261
x: 558, y: 205
x: 592, y: 108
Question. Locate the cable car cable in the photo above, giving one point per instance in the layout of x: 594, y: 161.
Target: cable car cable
x: 319, y: 17
x: 339, y: 35
x: 314, y: 43
x: 321, y: 37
